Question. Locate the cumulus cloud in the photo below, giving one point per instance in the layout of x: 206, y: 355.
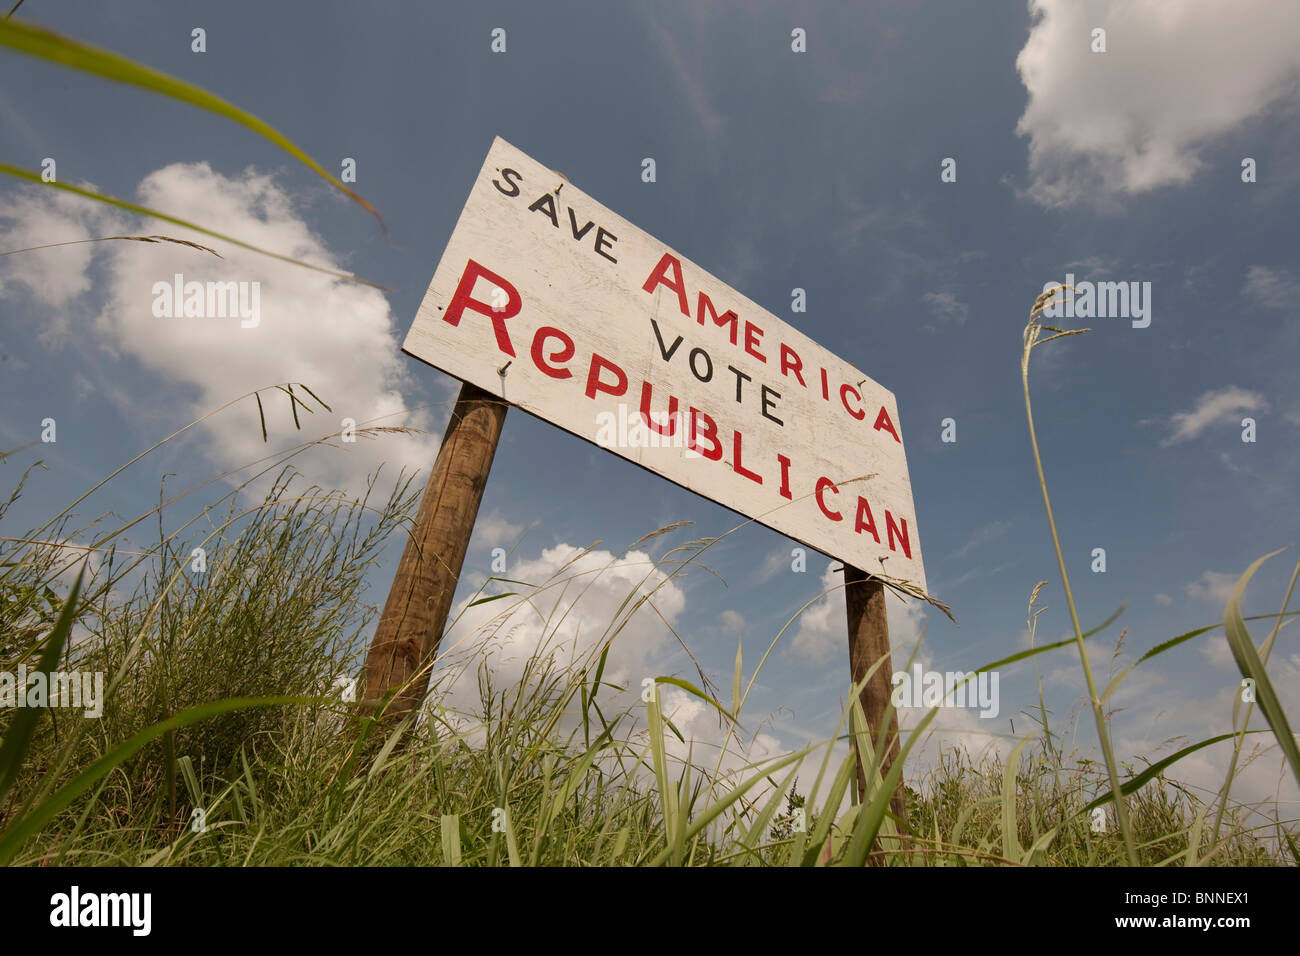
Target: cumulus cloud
x: 821, y: 639
x: 954, y: 728
x: 732, y: 620
x: 1272, y: 288
x: 1212, y: 587
x: 1218, y: 653
x: 1263, y: 776
x: 821, y: 631
x: 947, y: 306
x: 579, y: 599
x: 982, y: 536
x: 338, y: 338
x: 570, y: 615
x: 493, y: 530
x: 1173, y: 78
x: 1216, y: 407
x: 52, y: 277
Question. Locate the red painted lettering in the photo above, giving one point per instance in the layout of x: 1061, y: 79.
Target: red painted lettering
x: 822, y: 484
x: 728, y: 318
x: 678, y: 284
x: 891, y: 530
x: 594, y: 384
x: 865, y: 521
x: 785, y: 477
x: 645, y: 412
x: 884, y: 424
x: 565, y: 353
x: 844, y: 397
x: 463, y: 299
x: 790, y: 362
x: 710, y: 432
x: 740, y: 469
x: 752, y: 334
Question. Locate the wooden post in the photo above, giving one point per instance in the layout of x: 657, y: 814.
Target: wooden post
x: 864, y: 599
x: 411, y: 625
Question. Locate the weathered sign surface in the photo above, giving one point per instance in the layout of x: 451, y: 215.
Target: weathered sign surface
x: 568, y: 311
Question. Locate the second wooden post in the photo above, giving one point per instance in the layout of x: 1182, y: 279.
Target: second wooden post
x: 864, y: 599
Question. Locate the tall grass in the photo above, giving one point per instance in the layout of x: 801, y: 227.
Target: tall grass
x: 223, y: 699
x: 1032, y: 340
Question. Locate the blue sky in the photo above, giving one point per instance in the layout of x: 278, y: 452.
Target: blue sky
x: 775, y: 170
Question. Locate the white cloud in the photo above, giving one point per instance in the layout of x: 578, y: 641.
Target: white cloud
x: 53, y: 277
x: 947, y: 306
x: 1263, y: 777
x: 732, y: 620
x: 1272, y: 288
x: 1215, y: 407
x: 685, y: 67
x: 492, y: 530
x: 1213, y: 587
x: 567, y: 619
x: 1218, y: 653
x: 822, y: 631
x: 564, y: 620
x: 776, y: 562
x: 981, y: 536
x: 337, y: 338
x: 1091, y: 267
x: 959, y: 728
x: 1174, y: 77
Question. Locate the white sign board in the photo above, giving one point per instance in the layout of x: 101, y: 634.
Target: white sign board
x: 568, y: 311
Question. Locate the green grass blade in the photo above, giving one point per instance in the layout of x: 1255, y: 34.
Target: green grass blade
x: 1250, y: 665
x: 1194, y: 837
x: 620, y: 844
x: 512, y: 842
x: 696, y: 692
x: 450, y: 832
x: 494, y: 597
x: 1011, y: 848
x: 1290, y: 843
x: 15, y: 834
x: 667, y: 788
x: 754, y: 836
x: 839, y: 786
x: 35, y: 41
x: 191, y: 780
x: 712, y: 812
x: 23, y: 725
x: 871, y: 815
x: 1174, y: 642
x: 735, y: 681
x: 153, y: 213
x: 1132, y: 786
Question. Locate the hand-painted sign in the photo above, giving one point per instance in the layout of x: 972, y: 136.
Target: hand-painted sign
x: 568, y: 311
